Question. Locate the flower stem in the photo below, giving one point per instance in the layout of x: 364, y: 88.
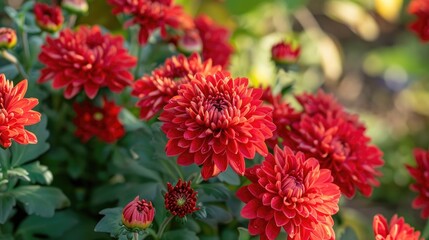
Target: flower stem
x: 163, y: 226
x: 139, y: 51
x: 135, y: 236
x: 72, y: 21
x: 425, y: 234
x: 26, y: 49
x: 12, y: 59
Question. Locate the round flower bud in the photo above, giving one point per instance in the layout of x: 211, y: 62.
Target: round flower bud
x: 75, y: 6
x: 7, y: 38
x: 181, y: 199
x: 285, y: 53
x: 138, y: 214
x: 48, y: 18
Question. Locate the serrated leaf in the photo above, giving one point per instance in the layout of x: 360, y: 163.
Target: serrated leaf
x: 7, y: 202
x: 25, y: 153
x: 180, y: 234
x: 40, y: 200
x: 111, y: 222
x: 19, y: 172
x: 38, y: 173
x: 230, y: 177
x: 53, y: 227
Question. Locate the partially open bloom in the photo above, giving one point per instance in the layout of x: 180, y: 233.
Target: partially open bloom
x: 291, y: 192
x: 285, y: 53
x: 7, y: 38
x: 138, y: 214
x: 397, y: 229
x: 215, y: 41
x: 190, y: 42
x: 16, y: 113
x: 152, y: 14
x: 75, y: 6
x: 155, y: 90
x: 420, y: 26
x: 181, y: 199
x: 420, y: 173
x: 48, y: 18
x: 215, y: 121
x: 337, y: 140
x: 102, y: 122
x: 88, y: 60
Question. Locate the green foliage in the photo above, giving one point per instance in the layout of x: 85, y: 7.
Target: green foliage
x: 111, y: 222
x: 181, y: 234
x: 7, y: 202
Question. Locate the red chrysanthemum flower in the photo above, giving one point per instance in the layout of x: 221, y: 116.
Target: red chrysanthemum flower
x: 16, y: 113
x: 152, y: 14
x: 181, y: 199
x: 138, y: 214
x: 215, y: 41
x: 215, y: 121
x: 8, y: 38
x: 101, y: 122
x: 155, y: 90
x: 420, y: 8
x: 291, y: 192
x: 285, y: 53
x: 48, y: 18
x: 397, y: 229
x: 86, y: 59
x: 337, y: 139
x: 420, y: 173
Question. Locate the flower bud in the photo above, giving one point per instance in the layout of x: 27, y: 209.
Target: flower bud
x: 48, y: 18
x: 181, y: 199
x: 190, y: 42
x: 7, y: 38
x: 75, y: 6
x: 138, y: 214
x: 285, y: 53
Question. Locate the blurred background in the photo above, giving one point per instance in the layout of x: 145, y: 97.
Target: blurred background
x: 361, y: 51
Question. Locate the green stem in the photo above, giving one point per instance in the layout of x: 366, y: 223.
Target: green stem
x: 163, y: 226
x: 425, y: 234
x: 12, y: 59
x: 26, y: 49
x: 72, y: 21
x: 135, y: 236
x: 139, y: 51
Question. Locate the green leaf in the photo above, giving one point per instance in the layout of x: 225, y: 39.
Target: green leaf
x: 216, y: 214
x: 38, y: 173
x: 53, y: 227
x: 130, y: 122
x: 39, y: 200
x: 230, y: 177
x: 295, y: 4
x: 24, y: 153
x: 19, y: 172
x: 9, y: 71
x: 217, y: 190
x: 7, y: 202
x: 243, y: 233
x: 348, y: 234
x: 180, y: 234
x: 111, y: 222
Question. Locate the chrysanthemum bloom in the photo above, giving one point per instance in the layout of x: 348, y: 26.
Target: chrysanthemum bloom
x: 215, y: 41
x: 397, y: 229
x: 155, y: 90
x: 285, y: 53
x: 291, y: 192
x: 101, y: 122
x: 420, y: 173
x: 215, y: 121
x: 420, y: 8
x: 48, y: 18
x: 8, y: 38
x: 152, y: 14
x: 138, y: 214
x: 86, y: 59
x: 16, y: 113
x: 181, y: 199
x: 75, y: 6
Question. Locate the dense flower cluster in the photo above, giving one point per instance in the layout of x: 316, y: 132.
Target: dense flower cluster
x: 155, y: 90
x: 86, y: 59
x: 285, y: 53
x: 16, y: 113
x: 291, y: 192
x: 8, y: 38
x: 181, y: 199
x: 48, y: 18
x: 102, y: 122
x: 420, y: 26
x: 420, y: 173
x: 215, y: 121
x: 397, y: 229
x: 152, y: 14
x: 323, y: 130
x: 215, y: 41
x: 138, y: 214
